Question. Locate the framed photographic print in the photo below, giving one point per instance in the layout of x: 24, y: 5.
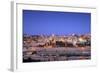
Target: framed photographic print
x: 52, y: 36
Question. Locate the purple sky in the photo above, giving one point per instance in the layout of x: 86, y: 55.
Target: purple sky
x: 60, y: 23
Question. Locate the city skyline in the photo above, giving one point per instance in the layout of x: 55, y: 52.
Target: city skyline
x: 59, y: 23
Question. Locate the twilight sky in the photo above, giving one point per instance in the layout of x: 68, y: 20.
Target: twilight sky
x: 59, y: 23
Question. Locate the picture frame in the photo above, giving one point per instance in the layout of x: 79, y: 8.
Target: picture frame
x: 17, y: 36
